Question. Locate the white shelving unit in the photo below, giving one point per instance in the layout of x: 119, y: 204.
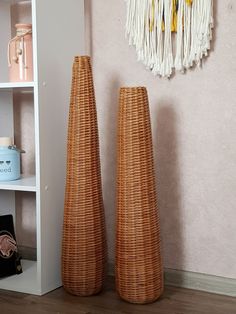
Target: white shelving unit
x: 58, y: 35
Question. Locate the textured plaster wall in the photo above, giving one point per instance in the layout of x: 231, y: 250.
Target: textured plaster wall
x: 194, y: 134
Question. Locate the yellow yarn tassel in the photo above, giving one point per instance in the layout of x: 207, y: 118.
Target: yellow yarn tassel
x: 189, y: 2
x: 163, y: 26
x: 151, y: 26
x: 174, y: 16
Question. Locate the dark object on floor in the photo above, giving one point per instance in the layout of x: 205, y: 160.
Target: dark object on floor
x: 9, y: 256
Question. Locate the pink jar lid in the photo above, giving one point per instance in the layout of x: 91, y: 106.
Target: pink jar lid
x: 6, y: 141
x: 23, y: 26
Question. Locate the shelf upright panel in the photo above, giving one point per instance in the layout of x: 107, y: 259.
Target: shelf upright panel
x: 60, y: 36
x: 37, y: 143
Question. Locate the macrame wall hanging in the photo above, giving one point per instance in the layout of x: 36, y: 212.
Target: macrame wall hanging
x: 170, y: 34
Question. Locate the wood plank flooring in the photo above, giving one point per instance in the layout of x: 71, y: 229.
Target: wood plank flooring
x: 174, y: 301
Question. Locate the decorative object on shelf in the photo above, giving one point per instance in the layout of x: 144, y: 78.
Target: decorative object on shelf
x: 84, y: 240
x: 9, y: 160
x: 139, y: 273
x: 170, y: 34
x: 20, y: 54
x: 9, y: 257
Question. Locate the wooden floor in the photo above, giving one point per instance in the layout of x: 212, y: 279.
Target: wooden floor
x: 174, y: 301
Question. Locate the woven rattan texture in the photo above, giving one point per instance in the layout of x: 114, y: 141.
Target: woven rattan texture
x: 139, y: 274
x: 84, y: 241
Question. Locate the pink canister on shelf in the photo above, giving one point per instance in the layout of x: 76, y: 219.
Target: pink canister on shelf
x: 20, y: 54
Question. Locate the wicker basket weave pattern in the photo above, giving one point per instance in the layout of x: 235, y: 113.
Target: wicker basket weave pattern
x: 84, y: 241
x: 139, y: 273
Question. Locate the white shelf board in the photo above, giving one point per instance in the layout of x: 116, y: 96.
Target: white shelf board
x: 25, y: 282
x: 10, y: 85
x: 16, y: 1
x: 25, y: 183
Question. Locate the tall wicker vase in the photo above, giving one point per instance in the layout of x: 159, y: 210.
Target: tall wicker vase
x: 139, y: 273
x: 84, y: 240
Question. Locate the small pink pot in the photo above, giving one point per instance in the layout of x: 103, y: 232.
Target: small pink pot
x: 20, y: 54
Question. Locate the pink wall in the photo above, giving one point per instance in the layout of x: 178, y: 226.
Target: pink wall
x: 194, y: 130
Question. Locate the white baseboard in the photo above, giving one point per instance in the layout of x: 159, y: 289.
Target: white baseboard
x: 202, y: 282
x: 195, y: 281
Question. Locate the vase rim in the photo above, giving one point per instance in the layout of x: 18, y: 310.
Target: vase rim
x: 77, y: 58
x: 133, y: 88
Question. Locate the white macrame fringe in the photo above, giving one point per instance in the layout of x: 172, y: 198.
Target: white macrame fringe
x: 156, y: 48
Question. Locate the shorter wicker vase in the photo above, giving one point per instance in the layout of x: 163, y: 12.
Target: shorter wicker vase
x: 139, y: 273
x: 84, y: 242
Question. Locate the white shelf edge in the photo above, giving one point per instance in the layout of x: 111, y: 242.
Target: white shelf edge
x: 16, y: 1
x: 25, y: 183
x: 25, y: 282
x: 9, y: 85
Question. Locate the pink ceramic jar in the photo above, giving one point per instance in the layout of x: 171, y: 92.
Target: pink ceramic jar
x: 20, y: 54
